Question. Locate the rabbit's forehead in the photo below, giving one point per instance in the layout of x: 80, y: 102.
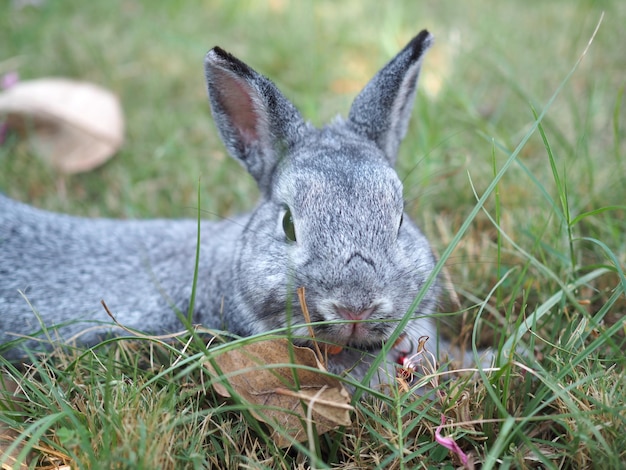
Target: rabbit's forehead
x: 344, y: 184
x: 336, y: 169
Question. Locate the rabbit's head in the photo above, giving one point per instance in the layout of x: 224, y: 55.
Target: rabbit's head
x: 331, y: 215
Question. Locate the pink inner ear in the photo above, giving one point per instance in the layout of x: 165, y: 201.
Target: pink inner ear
x: 236, y: 98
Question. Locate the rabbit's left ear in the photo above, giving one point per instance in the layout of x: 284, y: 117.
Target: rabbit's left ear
x: 382, y: 110
x: 255, y: 121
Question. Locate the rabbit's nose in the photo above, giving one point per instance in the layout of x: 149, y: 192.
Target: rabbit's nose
x: 354, y: 314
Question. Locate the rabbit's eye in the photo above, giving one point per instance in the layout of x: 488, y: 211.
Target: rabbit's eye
x: 288, y: 227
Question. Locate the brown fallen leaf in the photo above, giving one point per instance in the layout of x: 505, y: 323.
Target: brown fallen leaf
x: 280, y: 393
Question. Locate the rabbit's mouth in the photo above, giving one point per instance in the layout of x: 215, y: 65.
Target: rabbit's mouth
x: 355, y: 323
x: 333, y: 347
x: 357, y: 334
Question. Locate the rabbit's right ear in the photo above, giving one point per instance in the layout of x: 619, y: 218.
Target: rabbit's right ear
x: 255, y: 121
x: 381, y: 112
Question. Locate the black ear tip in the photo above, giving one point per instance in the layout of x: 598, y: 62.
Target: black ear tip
x: 218, y: 57
x: 216, y: 54
x: 421, y: 43
x: 424, y: 36
x: 219, y: 51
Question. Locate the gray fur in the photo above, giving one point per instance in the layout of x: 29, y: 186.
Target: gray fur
x: 355, y: 253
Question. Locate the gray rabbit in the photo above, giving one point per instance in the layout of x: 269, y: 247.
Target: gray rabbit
x: 330, y: 219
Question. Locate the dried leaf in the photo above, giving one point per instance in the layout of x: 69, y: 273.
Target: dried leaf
x: 75, y: 126
x: 262, y: 375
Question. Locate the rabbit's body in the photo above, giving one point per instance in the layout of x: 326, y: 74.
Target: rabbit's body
x: 142, y: 269
x: 330, y: 219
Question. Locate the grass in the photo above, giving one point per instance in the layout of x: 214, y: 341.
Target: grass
x: 528, y: 214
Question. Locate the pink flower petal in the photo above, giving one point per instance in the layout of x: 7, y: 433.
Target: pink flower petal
x: 9, y: 79
x: 448, y: 442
